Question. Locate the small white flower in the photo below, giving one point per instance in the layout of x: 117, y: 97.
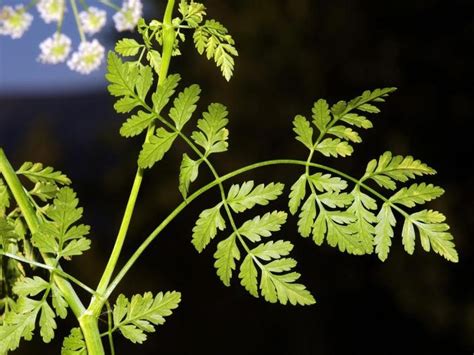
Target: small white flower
x: 14, y: 22
x: 50, y: 10
x: 55, y: 49
x: 87, y: 58
x: 92, y: 20
x: 127, y: 18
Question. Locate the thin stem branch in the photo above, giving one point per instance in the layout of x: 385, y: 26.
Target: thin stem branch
x: 121, y: 274
x: 50, y: 268
x: 78, y: 22
x: 109, y: 327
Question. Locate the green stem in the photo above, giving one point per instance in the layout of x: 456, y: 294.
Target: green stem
x: 109, y: 328
x: 89, y: 326
x: 168, y: 42
x: 121, y: 274
x: 50, y: 268
x: 29, y: 214
x: 78, y: 22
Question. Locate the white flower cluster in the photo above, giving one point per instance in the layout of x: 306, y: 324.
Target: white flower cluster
x: 92, y: 20
x: 55, y: 49
x: 127, y: 18
x: 14, y: 21
x: 51, y: 10
x: 87, y: 58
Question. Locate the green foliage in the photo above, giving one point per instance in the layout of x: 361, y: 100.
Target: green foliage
x: 213, y: 135
x: 206, y: 227
x: 245, y: 196
x: 74, y: 343
x: 158, y: 145
x: 325, y: 119
x: 389, y: 169
x: 128, y: 47
x: 58, y: 233
x: 352, y: 221
x: 214, y: 39
x: 359, y: 220
x: 184, y: 106
x: 36, y: 173
x: 140, y: 315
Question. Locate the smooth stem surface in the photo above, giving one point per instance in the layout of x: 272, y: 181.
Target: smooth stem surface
x: 168, y: 42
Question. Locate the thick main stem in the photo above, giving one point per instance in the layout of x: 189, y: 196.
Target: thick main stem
x: 31, y: 219
x: 97, y: 302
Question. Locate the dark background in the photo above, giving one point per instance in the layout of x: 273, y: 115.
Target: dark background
x: 291, y: 53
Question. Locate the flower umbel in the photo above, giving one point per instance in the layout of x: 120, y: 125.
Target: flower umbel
x: 87, y: 58
x: 14, y: 22
x: 55, y: 49
x: 127, y: 18
x: 92, y: 20
x: 51, y: 10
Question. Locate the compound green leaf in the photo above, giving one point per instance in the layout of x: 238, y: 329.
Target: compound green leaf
x: 272, y: 250
x: 435, y: 234
x: 307, y: 216
x: 154, y: 150
x: 192, y: 13
x: 206, y: 227
x: 281, y: 288
x: 121, y: 76
x: 341, y: 232
x: 416, y: 194
x: 321, y: 115
x: 281, y: 265
x: 184, y: 106
x: 335, y: 199
x: 59, y: 303
x: 47, y: 322
x: 384, y: 231
x: 30, y: 286
x: 36, y: 172
x: 163, y: 93
x: 188, y: 173
x: 154, y: 58
x: 213, y: 135
x: 75, y: 247
x: 356, y: 120
x: 408, y: 236
x: 389, y: 168
x: 74, y: 343
x: 241, y: 198
x: 128, y: 47
x: 297, y: 194
x: 19, y: 324
x: 58, y: 233
x: 328, y: 183
x: 248, y: 275
x: 303, y: 130
x: 362, y: 207
x: 137, y: 124
x: 126, y: 104
x: 263, y: 226
x: 226, y: 254
x: 334, y: 147
x: 345, y: 133
x: 144, y: 81
x: 143, y: 313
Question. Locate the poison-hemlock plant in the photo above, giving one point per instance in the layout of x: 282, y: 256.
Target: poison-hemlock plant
x: 40, y: 215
